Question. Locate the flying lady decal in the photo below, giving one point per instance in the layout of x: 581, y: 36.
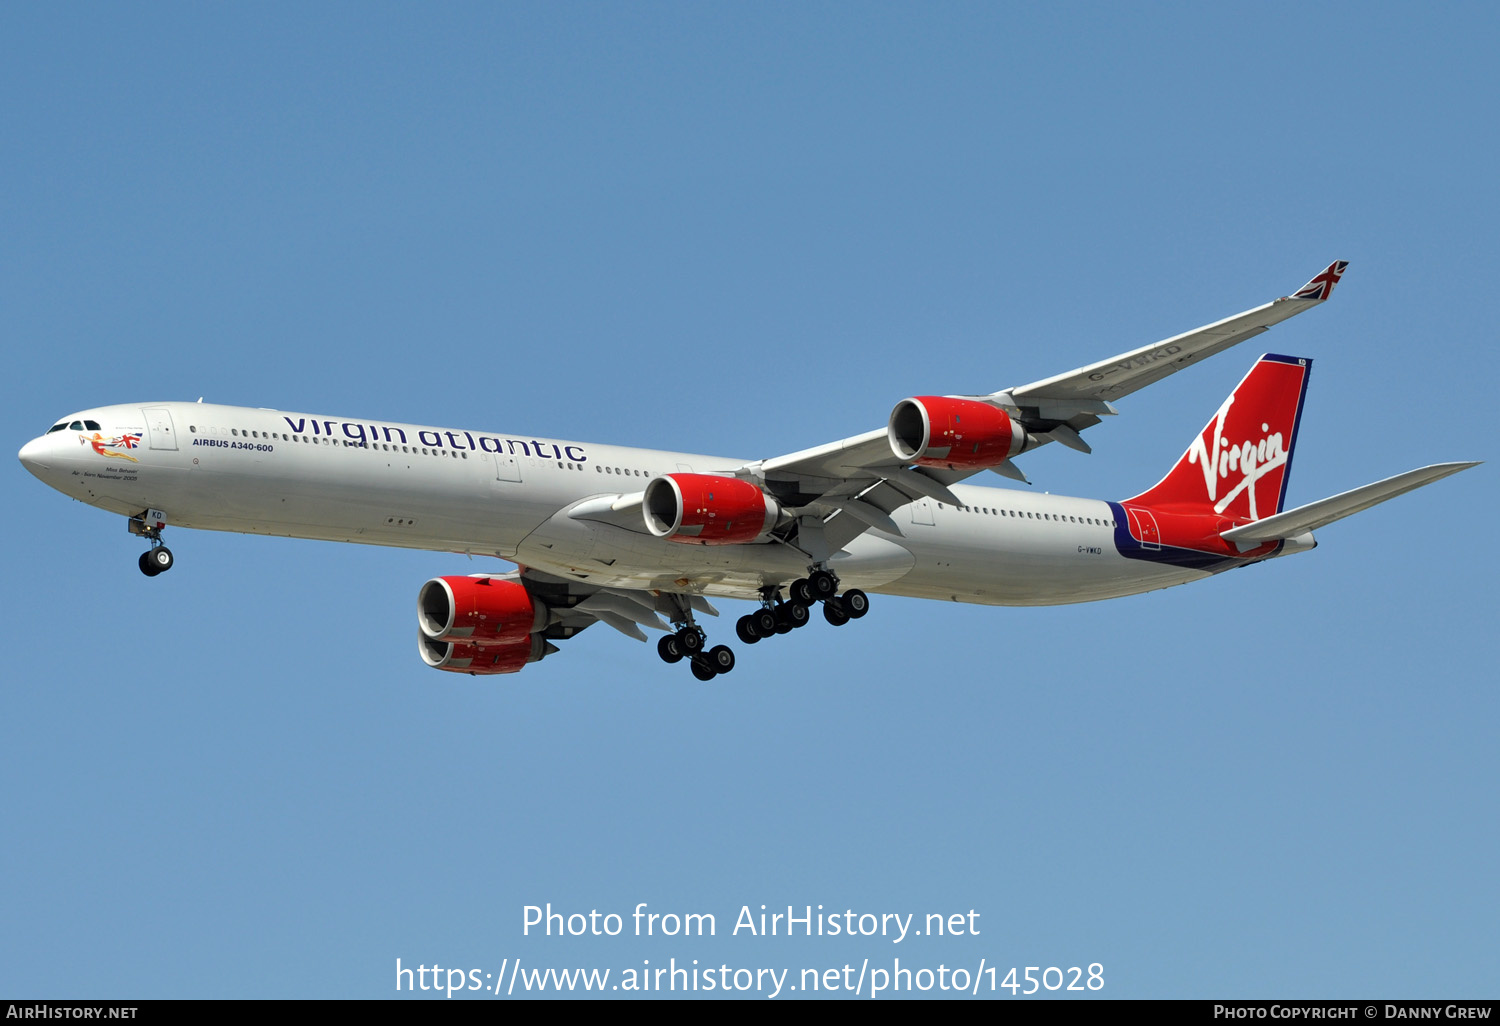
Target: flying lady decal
x: 102, y: 446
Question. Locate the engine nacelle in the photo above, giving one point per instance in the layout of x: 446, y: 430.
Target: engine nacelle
x: 478, y: 609
x: 956, y: 434
x: 702, y: 509
x: 481, y: 659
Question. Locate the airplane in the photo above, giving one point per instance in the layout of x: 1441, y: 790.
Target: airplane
x: 638, y: 538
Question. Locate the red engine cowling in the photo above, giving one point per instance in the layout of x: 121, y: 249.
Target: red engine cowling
x: 958, y: 434
x: 481, y: 659
x: 478, y: 609
x: 702, y: 509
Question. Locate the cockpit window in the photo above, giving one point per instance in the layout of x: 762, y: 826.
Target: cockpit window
x: 57, y: 427
x: 91, y: 425
x: 77, y: 425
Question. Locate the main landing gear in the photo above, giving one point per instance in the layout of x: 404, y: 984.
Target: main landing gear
x: 773, y: 617
x: 776, y: 615
x: 149, y: 525
x: 689, y: 642
x: 823, y: 586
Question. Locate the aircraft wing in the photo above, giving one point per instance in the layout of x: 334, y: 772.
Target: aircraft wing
x: 854, y: 484
x: 1120, y: 375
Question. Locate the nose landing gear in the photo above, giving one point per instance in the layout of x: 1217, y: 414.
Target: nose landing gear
x: 149, y: 525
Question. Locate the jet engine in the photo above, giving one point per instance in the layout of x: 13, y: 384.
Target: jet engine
x: 484, y: 610
x: 956, y: 434
x: 702, y: 509
x: 482, y: 659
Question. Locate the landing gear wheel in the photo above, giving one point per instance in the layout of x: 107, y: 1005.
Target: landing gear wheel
x: 690, y: 641
x: 801, y: 591
x: 701, y: 669
x: 745, y: 628
x: 784, y: 624
x: 856, y: 603
x: 823, y: 585
x: 669, y: 650
x: 796, y: 614
x: 833, y: 612
x: 155, y: 561
x: 765, y: 622
x: 720, y: 658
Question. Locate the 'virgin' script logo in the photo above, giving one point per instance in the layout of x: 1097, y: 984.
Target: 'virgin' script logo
x: 1220, y: 458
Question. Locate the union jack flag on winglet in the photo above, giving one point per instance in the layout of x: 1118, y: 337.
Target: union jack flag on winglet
x: 1321, y: 287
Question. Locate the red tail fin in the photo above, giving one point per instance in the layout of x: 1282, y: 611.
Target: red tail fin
x: 1239, y: 466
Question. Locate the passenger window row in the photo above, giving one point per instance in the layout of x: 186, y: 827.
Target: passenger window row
x: 1023, y: 515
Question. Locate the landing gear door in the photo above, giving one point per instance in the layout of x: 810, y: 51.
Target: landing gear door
x: 159, y: 423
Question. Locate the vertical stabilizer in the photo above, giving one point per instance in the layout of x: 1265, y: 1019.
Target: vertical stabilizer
x: 1238, y: 467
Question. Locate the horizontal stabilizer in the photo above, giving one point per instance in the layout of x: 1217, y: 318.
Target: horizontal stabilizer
x: 1325, y: 511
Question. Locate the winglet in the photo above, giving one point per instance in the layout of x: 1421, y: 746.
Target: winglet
x: 1321, y: 287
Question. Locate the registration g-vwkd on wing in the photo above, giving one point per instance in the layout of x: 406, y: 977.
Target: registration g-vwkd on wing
x: 639, y: 538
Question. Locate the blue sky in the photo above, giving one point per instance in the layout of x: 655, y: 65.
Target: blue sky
x: 751, y: 229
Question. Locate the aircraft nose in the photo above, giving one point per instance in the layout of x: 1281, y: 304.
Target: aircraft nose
x: 31, y: 456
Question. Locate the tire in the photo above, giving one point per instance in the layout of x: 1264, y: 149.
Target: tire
x: 823, y: 585
x: 690, y: 641
x: 720, y: 658
x: 147, y: 567
x: 856, y: 603
x: 744, y: 628
x: 801, y: 591
x: 784, y: 624
x: 669, y: 650
x: 797, y: 614
x: 833, y: 612
x: 765, y: 622
x: 702, y: 670
x: 160, y: 558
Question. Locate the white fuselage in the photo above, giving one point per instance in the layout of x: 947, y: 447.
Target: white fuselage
x: 254, y: 471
